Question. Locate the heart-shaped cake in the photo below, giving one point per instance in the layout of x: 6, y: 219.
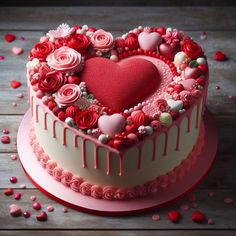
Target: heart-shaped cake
x: 117, y: 118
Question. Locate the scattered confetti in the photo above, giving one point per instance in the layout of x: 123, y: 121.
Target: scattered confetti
x: 2, y: 58
x: 228, y: 200
x: 9, y: 38
x: 50, y: 208
x: 198, y: 217
x: 32, y: 198
x: 211, y: 194
x: 15, y: 210
x: 42, y: 216
x: 210, y: 221
x: 17, y: 196
x: 6, y: 131
x: 19, y: 95
x: 65, y: 210
x: 220, y: 56
x: 174, y: 215
x: 5, y: 139
x: 22, y: 186
x: 156, y: 217
x: 13, y: 180
x: 13, y: 157
x: 217, y: 87
x: 203, y: 36
x: 15, y: 84
x: 184, y: 207
x: 37, y: 206
x: 17, y: 50
x: 26, y: 214
x: 8, y: 191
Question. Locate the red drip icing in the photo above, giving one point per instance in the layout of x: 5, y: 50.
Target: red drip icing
x: 139, y: 157
x: 54, y: 129
x: 108, y: 163
x: 96, y: 157
x: 178, y: 136
x: 166, y: 142
x: 45, y: 120
x: 197, y: 115
x: 37, y: 113
x: 84, y: 153
x: 64, y: 136
x: 121, y: 164
x: 75, y: 144
x: 154, y: 148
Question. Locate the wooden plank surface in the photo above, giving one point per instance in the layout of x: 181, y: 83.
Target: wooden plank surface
x: 31, y: 23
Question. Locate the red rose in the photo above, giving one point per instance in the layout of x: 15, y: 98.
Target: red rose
x: 51, y: 82
x: 191, y: 48
x: 79, y: 42
x: 86, y: 119
x: 41, y: 50
x: 59, y: 42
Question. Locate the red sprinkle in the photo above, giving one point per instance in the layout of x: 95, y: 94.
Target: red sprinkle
x: 9, y: 37
x: 17, y: 196
x: 2, y: 58
x: 15, y: 84
x: 174, y: 215
x: 217, y: 87
x: 198, y: 217
x: 5, y: 139
x: 13, y: 180
x: 36, y: 206
x: 220, y: 56
x: 13, y: 157
x: 26, y: 214
x: 8, y: 191
x: 6, y: 131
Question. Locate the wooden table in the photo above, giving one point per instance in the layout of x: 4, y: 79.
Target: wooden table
x: 31, y: 23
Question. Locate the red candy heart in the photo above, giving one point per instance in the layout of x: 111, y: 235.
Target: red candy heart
x: 198, y: 217
x: 5, y: 139
x: 10, y: 37
x: 174, y: 216
x: 42, y: 216
x: 120, y: 85
x: 15, y: 84
x: 8, y: 191
x: 220, y: 56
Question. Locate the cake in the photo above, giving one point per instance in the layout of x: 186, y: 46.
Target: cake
x: 117, y: 118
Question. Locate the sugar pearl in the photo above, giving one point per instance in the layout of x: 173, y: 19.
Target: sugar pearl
x: 149, y: 130
x: 69, y: 121
x: 165, y: 119
x: 180, y: 57
x: 113, y: 58
x: 103, y: 138
x: 201, y: 61
x: 45, y: 100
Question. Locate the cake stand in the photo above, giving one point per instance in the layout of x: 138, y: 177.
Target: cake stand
x: 64, y: 195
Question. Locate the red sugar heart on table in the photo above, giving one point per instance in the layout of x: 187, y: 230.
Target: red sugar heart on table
x: 120, y: 85
x: 15, y: 84
x: 198, y: 217
x: 42, y: 216
x: 8, y: 191
x: 9, y: 37
x: 5, y: 139
x: 174, y: 215
x: 15, y: 210
x: 220, y: 56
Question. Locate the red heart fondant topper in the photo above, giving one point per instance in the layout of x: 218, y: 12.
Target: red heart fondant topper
x: 120, y: 85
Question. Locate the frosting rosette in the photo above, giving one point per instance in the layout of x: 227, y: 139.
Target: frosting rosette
x: 66, y: 177
x: 86, y: 119
x: 102, y: 40
x: 67, y: 94
x: 75, y: 183
x: 108, y: 193
x: 79, y: 42
x: 85, y: 188
x: 191, y: 48
x: 42, y: 50
x: 51, y: 82
x: 65, y: 59
x: 96, y: 191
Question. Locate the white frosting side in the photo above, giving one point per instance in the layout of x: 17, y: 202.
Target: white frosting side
x: 70, y: 157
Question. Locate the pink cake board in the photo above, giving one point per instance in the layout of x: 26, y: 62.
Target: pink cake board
x: 64, y: 195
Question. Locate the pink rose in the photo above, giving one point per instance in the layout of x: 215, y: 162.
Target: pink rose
x: 85, y: 188
x: 66, y: 177
x: 67, y: 94
x: 75, y: 183
x: 108, y: 193
x: 102, y: 40
x: 65, y: 59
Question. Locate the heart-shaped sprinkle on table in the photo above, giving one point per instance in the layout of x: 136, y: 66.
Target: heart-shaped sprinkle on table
x: 42, y: 216
x: 15, y: 210
x: 17, y: 50
x: 198, y: 217
x: 174, y: 216
x: 15, y: 84
x: 9, y: 38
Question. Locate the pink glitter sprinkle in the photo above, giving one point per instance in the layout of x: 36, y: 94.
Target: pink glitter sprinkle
x: 13, y: 157
x: 32, y: 198
x: 156, y: 217
x: 20, y: 95
x: 6, y: 131
x: 184, y: 207
x: 13, y: 104
x: 211, y: 194
x: 50, y: 208
x: 65, y: 210
x: 2, y: 58
x: 203, y: 36
x: 210, y: 221
x: 217, y: 87
x: 21, y: 38
x: 228, y: 200
x: 23, y: 186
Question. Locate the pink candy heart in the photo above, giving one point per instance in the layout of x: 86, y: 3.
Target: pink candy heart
x: 191, y: 73
x: 17, y: 50
x: 15, y: 210
x: 168, y: 50
x: 149, y: 41
x: 111, y: 125
x: 188, y: 84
